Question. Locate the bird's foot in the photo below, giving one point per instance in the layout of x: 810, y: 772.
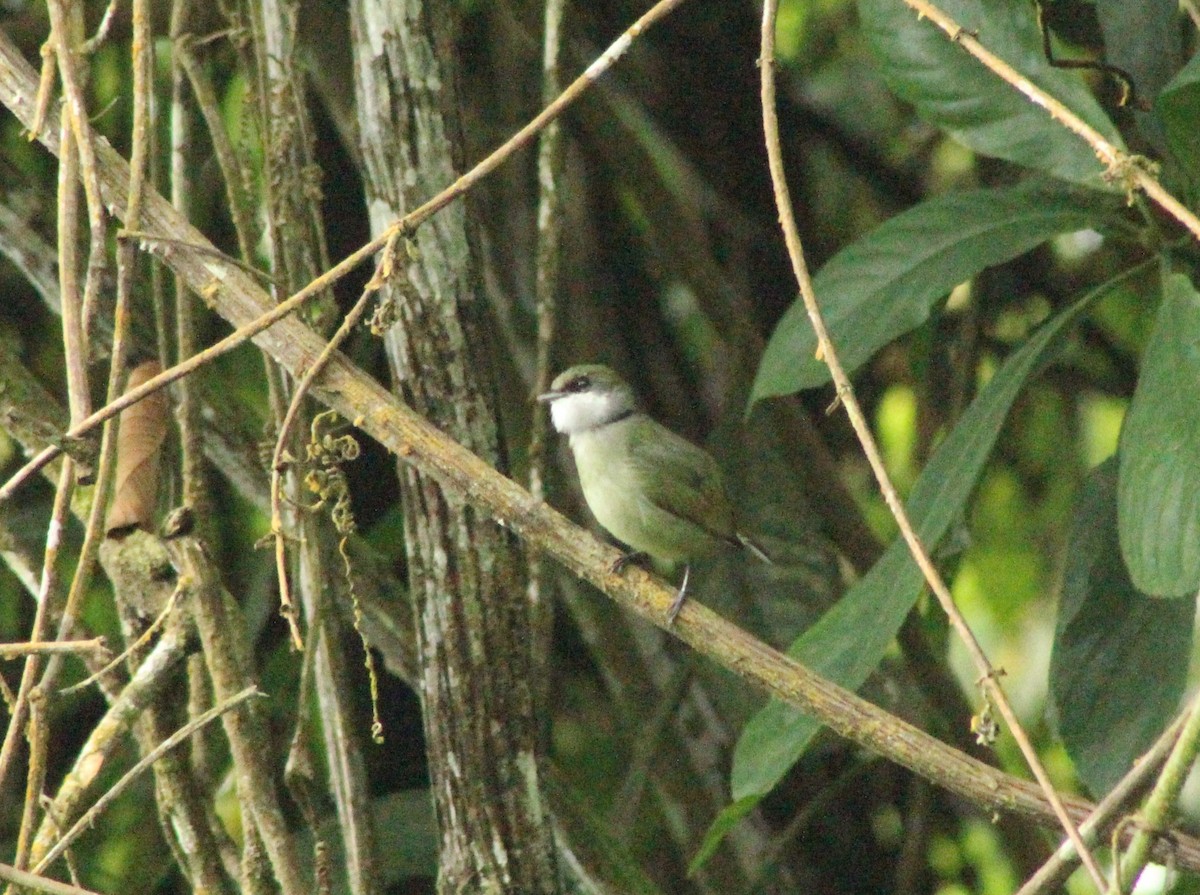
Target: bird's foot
x: 679, y: 597
x: 619, y: 564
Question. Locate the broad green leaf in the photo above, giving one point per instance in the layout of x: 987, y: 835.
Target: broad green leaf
x: 886, y: 283
x: 1158, y: 497
x: 957, y: 94
x: 849, y: 640
x: 1179, y: 107
x: 1120, y: 659
x: 1143, y: 39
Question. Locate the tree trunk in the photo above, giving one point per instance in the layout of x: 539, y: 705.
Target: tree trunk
x: 465, y: 572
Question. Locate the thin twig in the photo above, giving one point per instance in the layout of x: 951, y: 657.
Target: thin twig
x: 74, y: 344
x: 35, y: 778
x: 988, y: 674
x: 41, y: 103
x: 240, y: 210
x: 13, y: 650
x: 1160, y: 806
x: 96, y: 41
x: 40, y: 883
x: 403, y: 226
x: 195, y: 491
x: 66, y: 25
x: 140, y: 642
x: 47, y: 593
x: 179, y: 736
x: 549, y: 238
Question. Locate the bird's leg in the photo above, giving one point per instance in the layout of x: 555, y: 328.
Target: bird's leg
x: 619, y: 564
x: 680, y: 597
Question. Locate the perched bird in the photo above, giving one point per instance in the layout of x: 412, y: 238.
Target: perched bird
x: 650, y: 489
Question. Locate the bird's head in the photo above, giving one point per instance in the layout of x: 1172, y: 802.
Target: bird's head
x: 586, y: 397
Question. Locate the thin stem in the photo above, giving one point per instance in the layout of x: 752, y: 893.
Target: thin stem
x: 1052, y: 875
x: 36, y: 883
x: 13, y: 650
x: 41, y: 620
x: 240, y: 209
x: 74, y: 350
x: 139, y: 643
x: 549, y: 238
x: 988, y: 674
x: 195, y: 491
x: 1160, y: 806
x: 67, y: 27
x: 287, y: 609
x: 35, y: 778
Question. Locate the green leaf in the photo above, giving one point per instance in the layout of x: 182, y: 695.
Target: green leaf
x: 1143, y: 39
x: 886, y: 283
x: 1179, y: 107
x: 726, y: 820
x: 1120, y: 659
x: 1159, y: 488
x: 847, y: 642
x: 957, y: 94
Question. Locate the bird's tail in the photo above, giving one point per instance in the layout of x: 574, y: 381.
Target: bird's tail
x: 754, y: 548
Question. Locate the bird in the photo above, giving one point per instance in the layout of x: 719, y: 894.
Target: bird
x: 652, y: 490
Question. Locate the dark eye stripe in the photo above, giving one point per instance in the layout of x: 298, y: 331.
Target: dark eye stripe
x: 578, y: 384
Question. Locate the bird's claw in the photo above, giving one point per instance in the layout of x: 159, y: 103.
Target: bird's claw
x: 619, y: 564
x: 679, y: 597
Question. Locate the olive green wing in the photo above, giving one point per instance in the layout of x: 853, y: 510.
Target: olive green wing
x: 681, y: 479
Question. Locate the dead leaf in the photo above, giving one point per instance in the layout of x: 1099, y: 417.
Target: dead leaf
x: 139, y: 447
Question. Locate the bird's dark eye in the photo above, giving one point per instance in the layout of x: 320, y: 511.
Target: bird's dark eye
x: 578, y: 384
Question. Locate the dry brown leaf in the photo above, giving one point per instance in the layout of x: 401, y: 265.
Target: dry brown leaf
x: 139, y: 447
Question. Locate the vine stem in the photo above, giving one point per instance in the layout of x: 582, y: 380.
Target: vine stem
x: 845, y: 392
x: 1052, y: 875
x: 1156, y: 813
